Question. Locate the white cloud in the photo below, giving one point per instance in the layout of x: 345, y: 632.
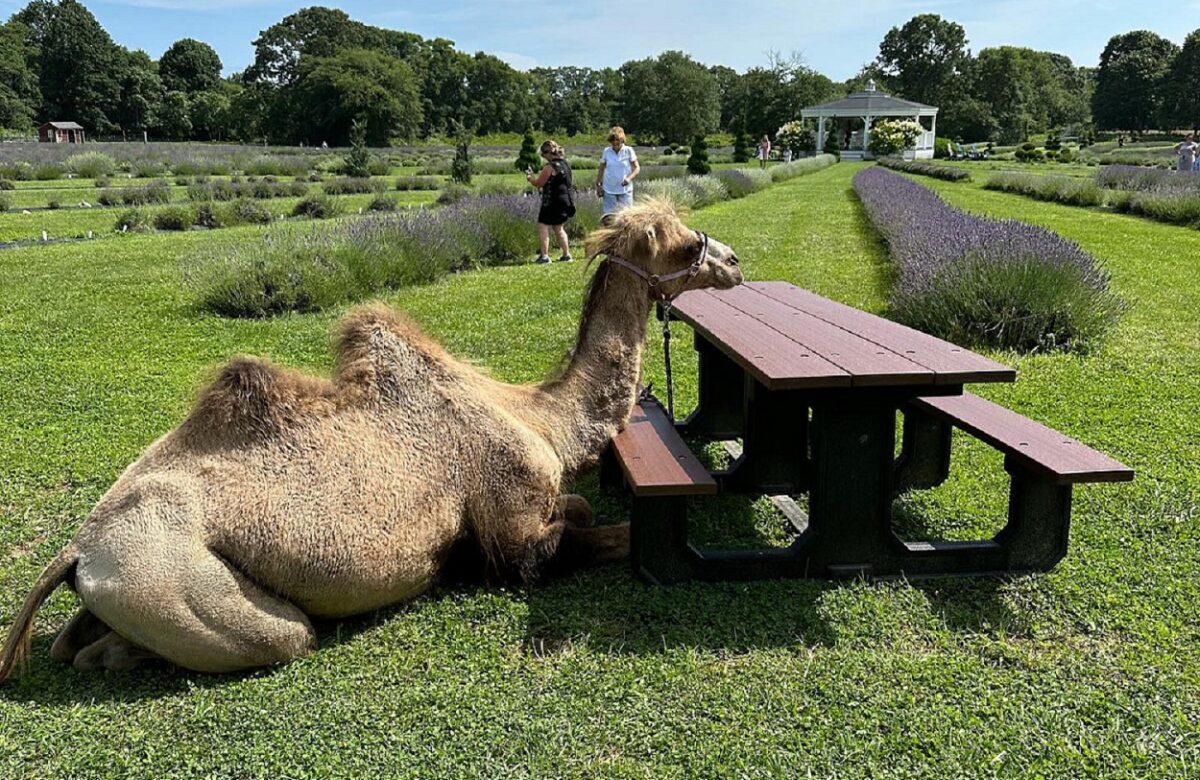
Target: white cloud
x: 518, y: 61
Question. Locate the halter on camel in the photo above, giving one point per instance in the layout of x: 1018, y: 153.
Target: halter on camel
x: 666, y: 302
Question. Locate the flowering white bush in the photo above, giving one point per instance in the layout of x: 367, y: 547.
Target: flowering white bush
x: 795, y: 135
x: 889, y: 136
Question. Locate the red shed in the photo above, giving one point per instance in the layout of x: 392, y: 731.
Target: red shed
x: 60, y: 133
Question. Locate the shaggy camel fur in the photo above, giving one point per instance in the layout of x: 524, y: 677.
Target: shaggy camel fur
x: 285, y: 496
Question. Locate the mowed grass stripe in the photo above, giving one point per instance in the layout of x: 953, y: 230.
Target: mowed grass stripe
x: 1090, y: 670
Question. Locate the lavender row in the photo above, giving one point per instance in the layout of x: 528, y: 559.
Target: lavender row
x: 986, y: 282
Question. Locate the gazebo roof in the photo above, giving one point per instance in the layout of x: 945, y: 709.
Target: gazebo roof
x: 869, y: 102
x: 63, y: 125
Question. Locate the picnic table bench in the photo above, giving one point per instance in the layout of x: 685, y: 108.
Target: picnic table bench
x: 812, y: 388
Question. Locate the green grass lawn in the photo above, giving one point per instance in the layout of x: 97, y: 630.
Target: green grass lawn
x: 1091, y: 670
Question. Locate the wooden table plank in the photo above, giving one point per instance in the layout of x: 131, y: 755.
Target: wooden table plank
x: 868, y: 363
x: 951, y: 363
x: 1032, y: 443
x: 656, y: 461
x: 775, y: 360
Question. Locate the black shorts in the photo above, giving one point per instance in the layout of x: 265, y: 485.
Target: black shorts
x: 555, y: 213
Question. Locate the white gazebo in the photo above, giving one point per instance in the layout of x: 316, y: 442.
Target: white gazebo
x: 851, y: 119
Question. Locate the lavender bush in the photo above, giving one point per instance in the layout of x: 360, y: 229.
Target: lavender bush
x: 1133, y: 177
x: 743, y: 181
x: 297, y: 269
x: 801, y: 167
x: 1070, y: 190
x: 977, y: 281
x: 943, y: 172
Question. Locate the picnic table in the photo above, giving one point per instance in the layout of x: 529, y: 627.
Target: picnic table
x: 813, y: 388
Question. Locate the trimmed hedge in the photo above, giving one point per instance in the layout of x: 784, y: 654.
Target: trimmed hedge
x: 943, y: 172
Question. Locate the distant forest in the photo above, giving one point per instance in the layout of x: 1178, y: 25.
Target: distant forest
x: 317, y: 71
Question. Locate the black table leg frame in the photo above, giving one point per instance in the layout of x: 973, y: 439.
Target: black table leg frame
x: 924, y: 460
x: 720, y: 391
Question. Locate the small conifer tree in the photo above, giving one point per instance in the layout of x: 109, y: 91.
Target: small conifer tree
x: 741, y: 143
x: 358, y: 159
x: 460, y: 168
x: 697, y: 163
x: 528, y: 156
x: 831, y: 143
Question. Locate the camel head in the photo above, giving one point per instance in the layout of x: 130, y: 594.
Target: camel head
x: 651, y: 237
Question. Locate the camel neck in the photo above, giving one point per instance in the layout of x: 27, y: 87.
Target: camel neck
x: 594, y: 396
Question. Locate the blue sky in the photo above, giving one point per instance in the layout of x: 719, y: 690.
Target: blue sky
x: 833, y: 37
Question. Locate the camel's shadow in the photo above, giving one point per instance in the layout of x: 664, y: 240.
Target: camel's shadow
x: 607, y: 609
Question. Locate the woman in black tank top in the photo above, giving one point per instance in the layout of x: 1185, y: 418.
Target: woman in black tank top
x: 558, y: 201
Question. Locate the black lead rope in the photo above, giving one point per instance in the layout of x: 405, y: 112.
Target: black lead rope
x: 666, y: 321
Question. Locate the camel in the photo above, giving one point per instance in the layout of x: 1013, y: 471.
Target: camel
x: 285, y: 497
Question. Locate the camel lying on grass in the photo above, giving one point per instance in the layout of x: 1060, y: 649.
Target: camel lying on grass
x: 285, y: 496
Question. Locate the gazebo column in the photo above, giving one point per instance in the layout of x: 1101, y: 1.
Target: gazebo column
x: 866, y: 138
x: 820, y: 134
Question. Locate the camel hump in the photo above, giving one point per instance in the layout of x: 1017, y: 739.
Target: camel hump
x: 379, y: 347
x: 253, y: 396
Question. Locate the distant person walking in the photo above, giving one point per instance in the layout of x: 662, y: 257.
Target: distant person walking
x: 558, y: 204
x: 618, y: 168
x: 764, y: 151
x: 1187, y: 150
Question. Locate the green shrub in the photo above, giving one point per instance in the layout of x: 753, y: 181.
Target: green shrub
x: 382, y: 203
x: 157, y: 191
x: 358, y: 159
x: 5, y: 184
x: 1068, y: 190
x: 174, y: 218
x: 1065, y: 156
x: 5, y: 201
x: 147, y: 169
x: 460, y: 167
x: 207, y: 217
x: 53, y: 204
x: 18, y: 171
x: 245, y: 212
x: 48, y: 172
x: 418, y: 183
x: 89, y: 165
x: 353, y: 186
x: 672, y: 190
x: 697, y: 163
x: 319, y: 206
x: 742, y: 145
x: 528, y: 157
x: 801, y: 167
x: 453, y: 193
x: 132, y: 220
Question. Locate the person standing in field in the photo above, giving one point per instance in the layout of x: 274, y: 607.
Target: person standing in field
x: 618, y: 168
x: 764, y: 151
x: 1187, y: 152
x: 558, y: 204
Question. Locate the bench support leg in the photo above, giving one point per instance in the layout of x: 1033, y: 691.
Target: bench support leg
x: 658, y: 545
x: 611, y: 476
x: 718, y: 412
x: 1039, y: 520
x: 774, y: 457
x: 924, y: 460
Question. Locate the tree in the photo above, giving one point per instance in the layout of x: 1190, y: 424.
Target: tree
x: 741, y: 142
x: 77, y: 64
x: 19, y: 93
x: 331, y: 92
x: 697, y: 162
x: 210, y: 113
x: 528, y: 156
x: 189, y: 66
x: 312, y: 32
x: 1182, y: 90
x: 1130, y: 80
x: 498, y: 96
x: 358, y: 159
x: 175, y: 117
x: 924, y: 57
x: 141, y: 93
x: 460, y: 166
x: 671, y: 97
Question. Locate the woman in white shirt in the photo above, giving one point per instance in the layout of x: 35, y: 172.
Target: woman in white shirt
x: 764, y: 151
x: 618, y: 168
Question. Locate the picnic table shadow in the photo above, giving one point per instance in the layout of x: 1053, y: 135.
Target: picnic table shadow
x: 611, y: 610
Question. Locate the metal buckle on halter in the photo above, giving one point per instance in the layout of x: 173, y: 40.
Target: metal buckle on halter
x: 653, y: 280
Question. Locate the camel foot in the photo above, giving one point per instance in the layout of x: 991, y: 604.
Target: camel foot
x: 112, y: 652
x: 82, y: 629
x: 574, y: 510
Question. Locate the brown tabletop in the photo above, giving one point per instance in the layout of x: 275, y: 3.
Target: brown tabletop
x: 790, y: 338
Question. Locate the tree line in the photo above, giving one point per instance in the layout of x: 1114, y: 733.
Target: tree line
x: 317, y: 72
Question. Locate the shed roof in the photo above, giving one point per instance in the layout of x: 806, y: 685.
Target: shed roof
x: 63, y: 125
